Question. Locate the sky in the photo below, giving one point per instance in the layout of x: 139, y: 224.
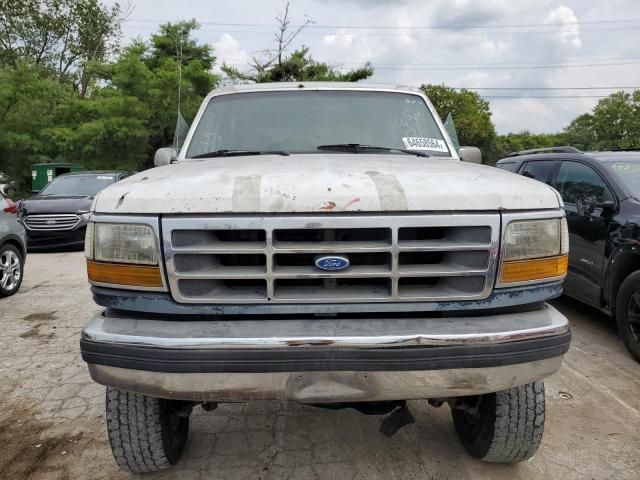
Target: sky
x: 503, y: 48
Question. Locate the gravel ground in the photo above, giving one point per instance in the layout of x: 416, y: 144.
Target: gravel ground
x: 52, y: 421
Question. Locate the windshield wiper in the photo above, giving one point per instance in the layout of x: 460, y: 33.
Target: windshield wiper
x: 225, y: 152
x: 358, y: 147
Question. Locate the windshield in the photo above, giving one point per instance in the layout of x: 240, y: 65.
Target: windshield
x: 79, y: 185
x: 628, y: 171
x: 301, y: 121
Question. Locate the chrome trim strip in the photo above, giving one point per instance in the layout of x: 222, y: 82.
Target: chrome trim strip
x: 151, y: 221
x: 61, y: 222
x: 352, y: 333
x: 319, y: 387
x: 270, y: 224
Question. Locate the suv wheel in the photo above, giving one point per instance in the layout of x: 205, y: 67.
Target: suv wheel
x: 11, y: 265
x: 502, y: 427
x: 146, y: 434
x: 628, y: 313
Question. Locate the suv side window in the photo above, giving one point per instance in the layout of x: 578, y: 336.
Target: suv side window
x: 578, y: 182
x: 541, y: 170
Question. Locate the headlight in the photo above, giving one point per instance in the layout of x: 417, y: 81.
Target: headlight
x: 124, y: 244
x: 534, y: 250
x: 122, y: 254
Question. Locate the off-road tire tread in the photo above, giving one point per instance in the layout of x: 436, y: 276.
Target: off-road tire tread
x: 519, y: 424
x: 135, y: 431
x: 509, y: 426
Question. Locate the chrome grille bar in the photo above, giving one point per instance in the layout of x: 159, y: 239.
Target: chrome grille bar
x: 400, y: 258
x: 51, y: 222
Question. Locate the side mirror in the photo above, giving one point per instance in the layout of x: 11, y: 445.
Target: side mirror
x: 470, y: 154
x: 164, y: 156
x: 607, y: 206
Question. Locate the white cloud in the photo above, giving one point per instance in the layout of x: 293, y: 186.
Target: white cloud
x: 228, y: 49
x: 570, y: 29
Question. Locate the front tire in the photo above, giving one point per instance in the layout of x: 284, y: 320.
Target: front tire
x: 504, y: 427
x: 146, y: 434
x: 628, y: 313
x: 11, y: 270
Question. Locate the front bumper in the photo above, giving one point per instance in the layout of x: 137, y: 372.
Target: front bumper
x: 324, y: 360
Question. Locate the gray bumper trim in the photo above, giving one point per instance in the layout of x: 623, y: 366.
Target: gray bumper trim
x: 325, y: 387
x: 339, y: 332
x: 339, y: 335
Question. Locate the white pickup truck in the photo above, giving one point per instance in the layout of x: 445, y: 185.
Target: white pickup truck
x: 323, y: 243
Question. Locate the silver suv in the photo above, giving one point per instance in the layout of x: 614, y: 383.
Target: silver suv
x: 13, y: 248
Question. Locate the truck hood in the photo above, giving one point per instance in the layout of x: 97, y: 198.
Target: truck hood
x: 42, y: 204
x: 332, y: 182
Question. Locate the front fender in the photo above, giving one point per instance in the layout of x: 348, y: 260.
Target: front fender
x: 623, y: 260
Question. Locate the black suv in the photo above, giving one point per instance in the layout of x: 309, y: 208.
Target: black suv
x: 56, y: 217
x: 601, y: 193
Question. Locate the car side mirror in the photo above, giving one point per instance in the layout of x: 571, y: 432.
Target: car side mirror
x: 470, y: 154
x: 164, y: 156
x: 607, y: 206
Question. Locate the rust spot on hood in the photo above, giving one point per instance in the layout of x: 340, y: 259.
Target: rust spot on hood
x: 355, y: 200
x: 328, y: 206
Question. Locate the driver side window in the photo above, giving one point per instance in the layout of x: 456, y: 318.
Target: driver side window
x: 580, y: 183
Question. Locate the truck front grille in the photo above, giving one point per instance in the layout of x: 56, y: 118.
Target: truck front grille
x: 266, y: 259
x: 62, y: 221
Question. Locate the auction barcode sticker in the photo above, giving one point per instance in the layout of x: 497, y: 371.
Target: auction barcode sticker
x: 421, y: 143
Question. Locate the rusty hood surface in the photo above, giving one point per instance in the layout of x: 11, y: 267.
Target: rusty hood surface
x: 322, y: 183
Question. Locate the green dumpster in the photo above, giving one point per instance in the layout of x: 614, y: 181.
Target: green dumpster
x: 43, y: 173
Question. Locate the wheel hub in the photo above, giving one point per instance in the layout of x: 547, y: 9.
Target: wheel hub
x: 10, y: 271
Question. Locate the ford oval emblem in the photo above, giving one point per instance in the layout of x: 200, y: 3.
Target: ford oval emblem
x: 332, y: 263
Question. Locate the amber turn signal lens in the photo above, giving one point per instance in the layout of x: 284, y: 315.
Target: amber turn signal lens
x: 536, y: 269
x: 124, y: 274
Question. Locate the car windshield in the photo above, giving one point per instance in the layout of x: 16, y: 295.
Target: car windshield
x: 79, y: 185
x: 628, y: 171
x: 301, y: 121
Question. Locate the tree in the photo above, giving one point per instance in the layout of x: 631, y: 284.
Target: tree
x: 107, y: 131
x: 471, y: 114
x: 29, y: 100
x: 525, y: 140
x: 613, y: 124
x: 129, y: 112
x: 62, y: 36
x: 298, y: 66
x: 172, y: 69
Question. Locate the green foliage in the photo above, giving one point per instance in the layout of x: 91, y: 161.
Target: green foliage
x: 174, y: 41
x: 151, y: 74
x: 297, y: 67
x: 29, y: 100
x: 514, y: 142
x: 62, y: 36
x: 118, y: 124
x: 471, y: 114
x: 107, y: 131
x: 614, y: 124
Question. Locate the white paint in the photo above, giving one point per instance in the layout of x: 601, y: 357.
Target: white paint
x: 323, y: 183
